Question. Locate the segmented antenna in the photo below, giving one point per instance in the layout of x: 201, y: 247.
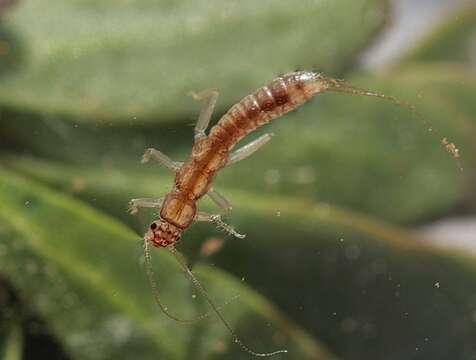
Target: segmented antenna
x: 337, y: 85
x: 155, y: 291
x: 215, y: 309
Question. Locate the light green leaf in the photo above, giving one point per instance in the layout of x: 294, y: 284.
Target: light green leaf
x: 11, y: 346
x: 363, y: 286
x: 360, y: 153
x: 135, y: 61
x: 80, y: 271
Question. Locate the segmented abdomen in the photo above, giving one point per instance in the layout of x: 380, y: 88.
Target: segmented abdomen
x: 280, y: 96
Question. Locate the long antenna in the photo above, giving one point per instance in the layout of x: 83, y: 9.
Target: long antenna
x: 336, y: 85
x: 215, y: 309
x: 155, y: 291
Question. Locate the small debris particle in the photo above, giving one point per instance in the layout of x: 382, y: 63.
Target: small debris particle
x: 451, y: 148
x: 211, y: 246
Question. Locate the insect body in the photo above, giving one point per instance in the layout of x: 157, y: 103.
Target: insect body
x: 211, y: 153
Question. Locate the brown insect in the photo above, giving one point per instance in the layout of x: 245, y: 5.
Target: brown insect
x: 194, y: 178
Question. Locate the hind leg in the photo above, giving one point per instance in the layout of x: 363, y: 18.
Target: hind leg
x: 161, y: 158
x: 249, y: 149
x: 206, y: 112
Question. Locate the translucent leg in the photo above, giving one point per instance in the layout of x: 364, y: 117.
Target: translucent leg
x: 206, y: 112
x: 136, y: 204
x: 216, y: 219
x: 161, y: 158
x: 249, y: 149
x: 220, y: 201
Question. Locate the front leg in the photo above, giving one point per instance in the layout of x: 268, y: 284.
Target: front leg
x: 220, y: 201
x: 216, y: 219
x: 136, y: 204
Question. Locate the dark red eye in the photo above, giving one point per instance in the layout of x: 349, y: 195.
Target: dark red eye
x: 153, y: 226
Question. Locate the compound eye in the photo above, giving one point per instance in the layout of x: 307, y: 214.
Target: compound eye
x: 153, y: 226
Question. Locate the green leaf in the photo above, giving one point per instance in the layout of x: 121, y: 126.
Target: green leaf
x: 11, y: 346
x: 370, y: 155
x: 452, y: 41
x: 363, y: 286
x: 79, y: 270
x: 356, y: 152
x: 135, y: 61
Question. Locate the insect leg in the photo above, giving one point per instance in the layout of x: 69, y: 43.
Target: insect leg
x: 216, y: 219
x: 220, y: 201
x: 206, y: 112
x: 249, y: 149
x: 161, y: 158
x: 136, y: 204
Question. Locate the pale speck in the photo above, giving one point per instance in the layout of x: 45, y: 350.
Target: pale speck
x: 437, y: 284
x: 27, y: 203
x: 349, y: 325
x: 194, y: 296
x: 272, y: 176
x: 304, y: 175
x: 278, y: 213
x: 119, y: 328
x: 352, y: 252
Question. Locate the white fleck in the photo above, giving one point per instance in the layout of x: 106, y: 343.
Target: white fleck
x: 272, y: 176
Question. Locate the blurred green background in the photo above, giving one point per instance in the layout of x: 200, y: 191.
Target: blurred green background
x: 335, y: 264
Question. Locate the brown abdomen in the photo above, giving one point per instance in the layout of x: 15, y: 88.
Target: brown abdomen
x: 280, y: 96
